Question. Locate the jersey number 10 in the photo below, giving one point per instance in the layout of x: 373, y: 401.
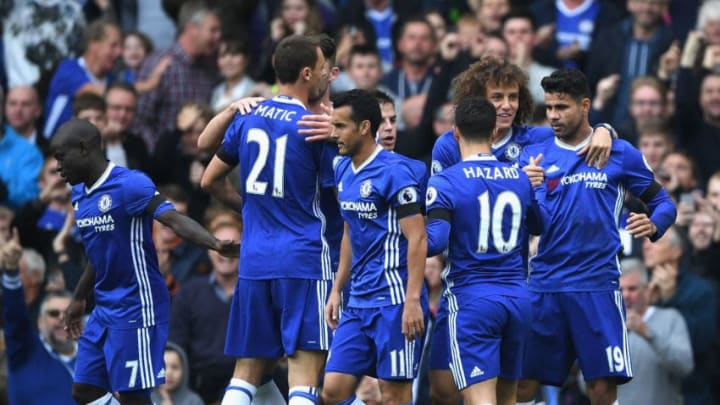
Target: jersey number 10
x: 252, y: 185
x: 494, y: 223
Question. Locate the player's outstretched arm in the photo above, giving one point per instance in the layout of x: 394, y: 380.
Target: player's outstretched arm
x: 187, y: 228
x: 212, y: 136
x: 413, y: 227
x: 214, y: 180
x: 332, y: 308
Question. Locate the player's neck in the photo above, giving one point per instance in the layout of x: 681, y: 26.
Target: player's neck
x: 316, y: 107
x: 294, y: 91
x: 367, y: 149
x: 580, y: 135
x: 95, y: 170
x: 468, y: 149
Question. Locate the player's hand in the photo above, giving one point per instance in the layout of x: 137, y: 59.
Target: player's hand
x: 245, y: 105
x: 332, y: 309
x: 71, y: 318
x: 227, y: 248
x: 413, y: 320
x: 320, y: 126
x: 640, y: 226
x: 535, y: 172
x: 597, y: 151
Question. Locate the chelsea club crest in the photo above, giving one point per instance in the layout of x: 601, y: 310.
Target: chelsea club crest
x: 366, y: 189
x: 104, y: 203
x: 512, y: 151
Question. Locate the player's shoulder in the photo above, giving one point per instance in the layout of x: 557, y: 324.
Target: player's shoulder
x: 533, y: 134
x: 621, y: 145
x: 340, y: 163
x: 447, y: 139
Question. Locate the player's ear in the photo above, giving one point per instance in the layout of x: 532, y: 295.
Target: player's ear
x: 456, y: 132
x: 585, y: 104
x: 306, y: 73
x: 365, y: 127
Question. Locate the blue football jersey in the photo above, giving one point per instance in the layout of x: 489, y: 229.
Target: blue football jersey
x: 581, y: 206
x: 281, y: 176
x: 116, y: 228
x: 370, y: 198
x: 491, y: 209
x: 446, y: 152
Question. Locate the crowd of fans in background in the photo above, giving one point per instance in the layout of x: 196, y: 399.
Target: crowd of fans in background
x: 151, y: 74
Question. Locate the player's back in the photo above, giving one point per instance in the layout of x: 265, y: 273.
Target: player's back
x: 117, y: 233
x: 280, y: 182
x: 578, y: 249
x: 493, y: 207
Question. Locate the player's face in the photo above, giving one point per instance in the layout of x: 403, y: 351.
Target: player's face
x: 565, y: 114
x: 49, y: 324
x: 654, y: 148
x: 387, y: 132
x: 70, y: 161
x: 433, y: 270
x: 634, y: 292
x: 345, y: 131
x: 506, y: 99
x: 225, y: 266
x: 173, y: 370
x: 320, y: 78
x: 713, y: 192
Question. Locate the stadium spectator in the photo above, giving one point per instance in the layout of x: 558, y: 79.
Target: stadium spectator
x: 175, y: 391
x: 490, y: 14
x: 190, y: 77
x: 41, y: 361
x: 22, y: 112
x: 122, y: 146
x: 20, y: 165
x: 704, y: 237
x: 90, y: 73
x: 661, y: 353
x: 678, y: 173
x: 629, y: 48
x: 567, y: 29
x: 232, y: 60
x: 655, y: 141
x: 364, y: 70
x: 674, y: 287
x: 199, y: 318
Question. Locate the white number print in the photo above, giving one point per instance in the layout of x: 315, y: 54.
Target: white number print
x: 494, y: 223
x: 133, y: 365
x: 397, y: 363
x: 615, y: 358
x: 252, y: 185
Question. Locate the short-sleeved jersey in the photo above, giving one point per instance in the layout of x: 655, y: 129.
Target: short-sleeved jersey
x: 581, y: 206
x: 114, y: 218
x: 280, y: 179
x: 370, y: 197
x: 446, y: 151
x: 492, y: 209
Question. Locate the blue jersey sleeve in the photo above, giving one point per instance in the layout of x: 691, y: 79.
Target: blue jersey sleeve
x: 140, y: 193
x: 440, y: 208
x: 402, y: 190
x: 445, y: 153
x: 640, y: 181
x: 230, y: 148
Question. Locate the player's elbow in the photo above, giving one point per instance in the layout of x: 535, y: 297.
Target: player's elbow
x: 205, y: 143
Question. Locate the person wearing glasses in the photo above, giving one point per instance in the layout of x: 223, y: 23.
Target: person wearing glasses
x: 41, y: 362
